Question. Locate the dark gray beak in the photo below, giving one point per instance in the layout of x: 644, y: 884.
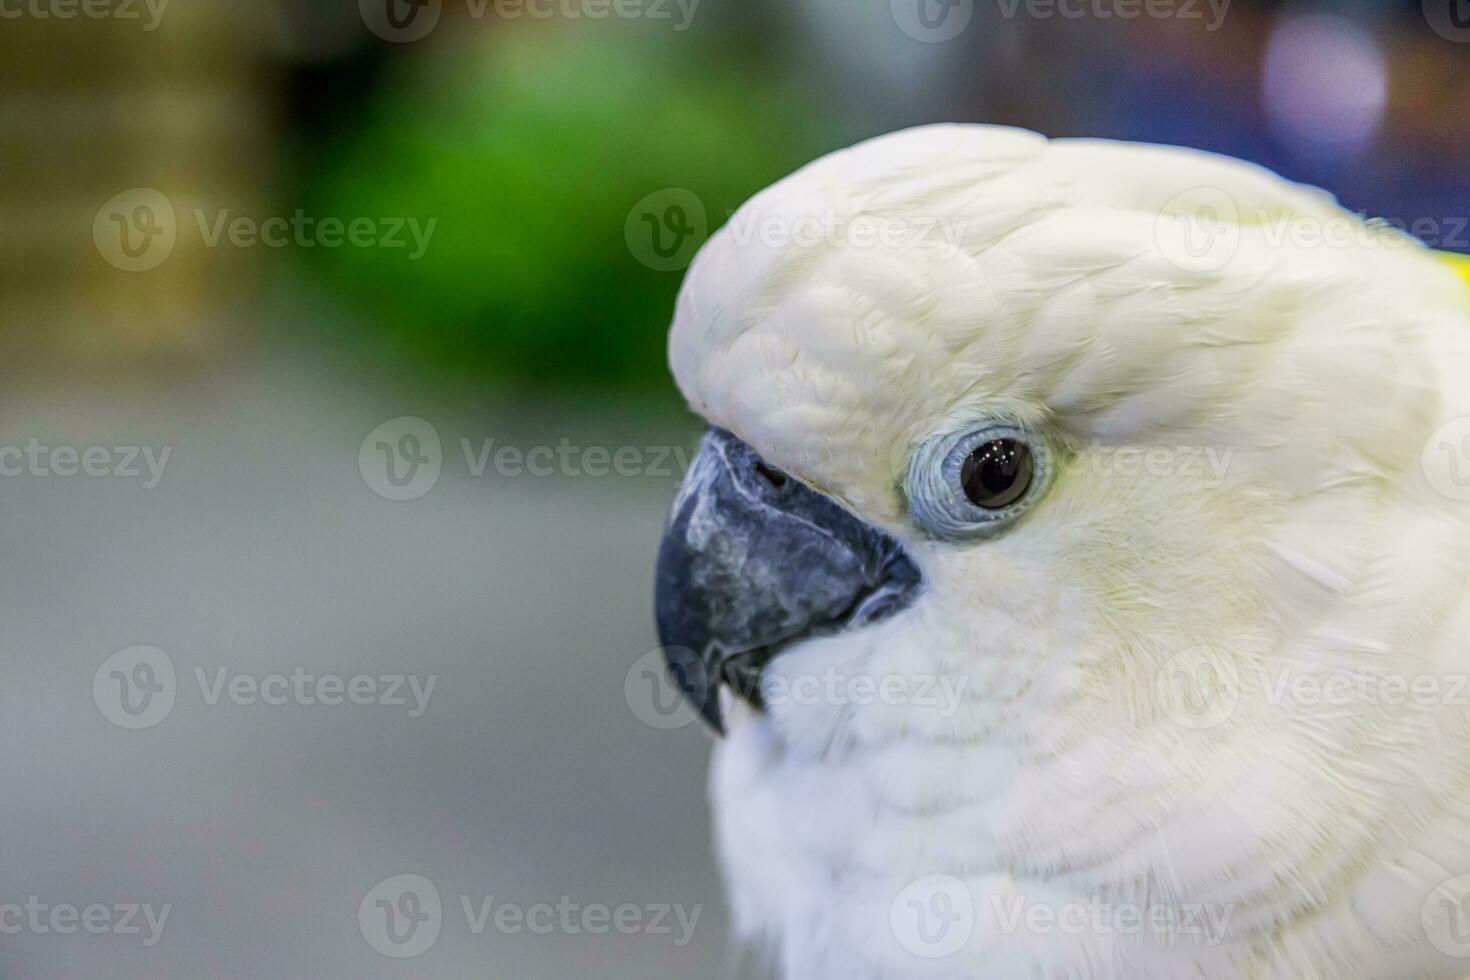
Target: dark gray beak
x: 753, y: 561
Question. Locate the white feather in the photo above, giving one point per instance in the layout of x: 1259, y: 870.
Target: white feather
x: 1056, y: 772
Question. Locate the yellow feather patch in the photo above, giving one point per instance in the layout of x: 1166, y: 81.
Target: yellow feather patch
x: 1459, y: 263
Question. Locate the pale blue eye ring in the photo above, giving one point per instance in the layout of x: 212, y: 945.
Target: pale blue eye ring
x: 977, y: 481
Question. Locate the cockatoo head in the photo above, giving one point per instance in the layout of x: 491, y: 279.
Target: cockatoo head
x: 1045, y: 415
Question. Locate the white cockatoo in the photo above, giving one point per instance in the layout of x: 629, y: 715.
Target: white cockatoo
x: 1076, y: 569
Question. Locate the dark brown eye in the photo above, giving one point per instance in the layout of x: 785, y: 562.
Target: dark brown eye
x: 997, y: 473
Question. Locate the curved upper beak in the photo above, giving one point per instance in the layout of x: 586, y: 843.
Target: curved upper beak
x: 753, y: 561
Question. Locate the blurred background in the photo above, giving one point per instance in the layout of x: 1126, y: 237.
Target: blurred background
x: 332, y: 336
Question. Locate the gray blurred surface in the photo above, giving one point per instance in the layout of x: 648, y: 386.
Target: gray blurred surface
x: 528, y: 777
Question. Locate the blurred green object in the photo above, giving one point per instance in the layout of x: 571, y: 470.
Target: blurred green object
x: 531, y: 148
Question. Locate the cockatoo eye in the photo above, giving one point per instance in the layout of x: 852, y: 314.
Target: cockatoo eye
x: 996, y: 473
x: 976, y: 481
